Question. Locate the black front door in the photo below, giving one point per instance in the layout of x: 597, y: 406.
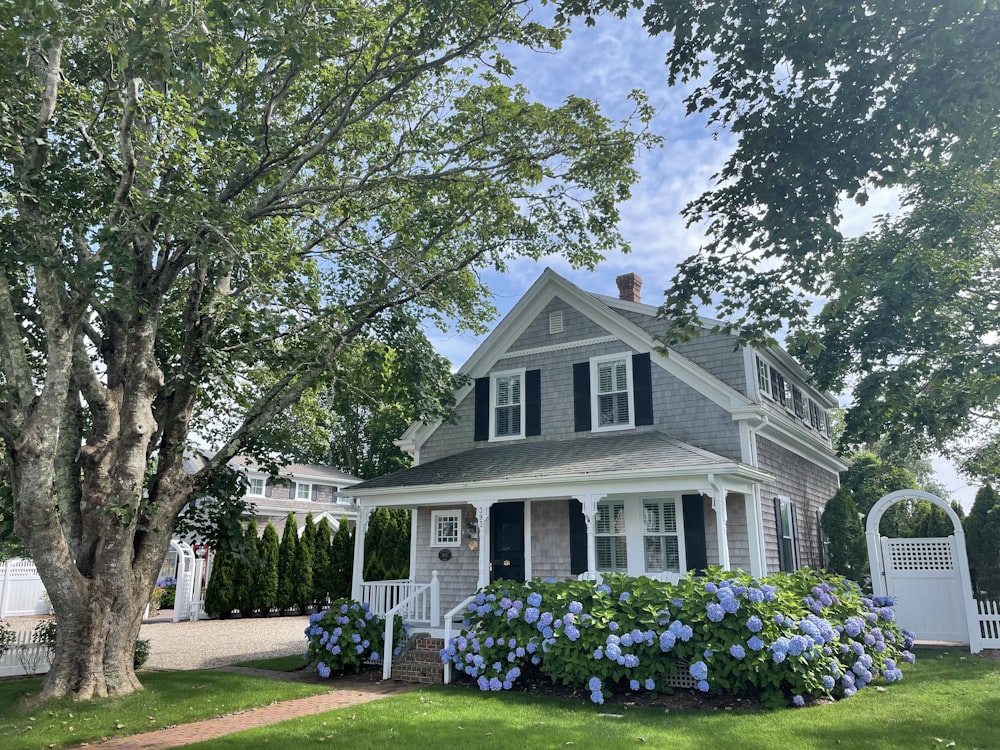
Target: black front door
x: 507, y: 541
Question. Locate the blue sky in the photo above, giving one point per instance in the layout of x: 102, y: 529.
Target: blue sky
x: 605, y: 63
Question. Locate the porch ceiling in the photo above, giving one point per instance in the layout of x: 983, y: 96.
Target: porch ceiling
x: 613, y: 458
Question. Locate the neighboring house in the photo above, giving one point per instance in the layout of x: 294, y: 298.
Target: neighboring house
x: 580, y: 447
x: 300, y: 489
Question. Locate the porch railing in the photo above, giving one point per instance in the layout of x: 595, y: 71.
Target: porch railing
x: 988, y: 623
x: 422, y: 604
x: 422, y: 599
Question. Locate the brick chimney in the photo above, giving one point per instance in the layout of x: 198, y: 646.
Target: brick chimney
x: 629, y: 287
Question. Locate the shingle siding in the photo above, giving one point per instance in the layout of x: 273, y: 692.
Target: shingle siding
x: 808, y: 486
x: 550, y: 553
x: 457, y: 576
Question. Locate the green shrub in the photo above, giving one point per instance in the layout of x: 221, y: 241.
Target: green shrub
x: 247, y: 575
x: 285, y: 598
x: 787, y: 638
x: 7, y: 637
x: 220, y: 594
x: 347, y: 635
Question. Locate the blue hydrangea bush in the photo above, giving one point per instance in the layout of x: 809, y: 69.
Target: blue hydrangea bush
x: 348, y: 634
x: 786, y: 639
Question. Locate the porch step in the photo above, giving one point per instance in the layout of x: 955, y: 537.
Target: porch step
x: 420, y: 661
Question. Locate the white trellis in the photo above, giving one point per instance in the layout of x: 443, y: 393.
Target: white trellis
x: 928, y: 578
x: 190, y: 567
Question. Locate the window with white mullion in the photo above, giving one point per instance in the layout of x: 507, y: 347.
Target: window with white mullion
x: 661, y: 537
x: 303, y: 491
x: 507, y: 415
x: 763, y: 377
x: 612, y: 379
x: 256, y: 488
x: 609, y: 537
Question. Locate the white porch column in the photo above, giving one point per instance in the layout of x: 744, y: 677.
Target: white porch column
x: 718, y: 495
x: 483, y: 525
x: 589, y: 503
x: 364, y: 511
x: 755, y: 532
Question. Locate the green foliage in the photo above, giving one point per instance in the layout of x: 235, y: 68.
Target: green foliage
x: 341, y: 561
x: 7, y: 637
x: 220, y: 594
x: 267, y: 583
x: 285, y: 598
x: 982, y: 541
x: 248, y: 578
x: 347, y: 635
x: 302, y: 576
x: 321, y: 563
x: 847, y: 552
x: 387, y: 545
x: 784, y: 639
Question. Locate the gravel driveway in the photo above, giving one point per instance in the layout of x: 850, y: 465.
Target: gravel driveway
x: 214, y: 643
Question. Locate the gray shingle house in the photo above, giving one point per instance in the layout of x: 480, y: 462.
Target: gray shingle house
x: 580, y: 448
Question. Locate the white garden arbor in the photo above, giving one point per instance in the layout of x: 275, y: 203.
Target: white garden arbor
x: 928, y: 578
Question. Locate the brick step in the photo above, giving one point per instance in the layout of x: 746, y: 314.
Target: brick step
x: 420, y: 661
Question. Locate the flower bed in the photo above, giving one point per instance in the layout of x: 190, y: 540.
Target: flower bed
x: 348, y: 634
x: 786, y: 639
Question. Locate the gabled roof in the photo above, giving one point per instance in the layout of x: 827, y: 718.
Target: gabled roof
x: 579, y: 457
x: 548, y: 286
x: 313, y: 473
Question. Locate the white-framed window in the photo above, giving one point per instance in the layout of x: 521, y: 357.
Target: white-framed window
x: 612, y: 398
x: 786, y: 534
x: 763, y: 377
x: 817, y: 416
x: 507, y: 405
x: 661, y: 536
x: 446, y: 528
x: 798, y: 404
x: 256, y: 486
x: 778, y: 392
x: 610, y: 538
x: 303, y: 491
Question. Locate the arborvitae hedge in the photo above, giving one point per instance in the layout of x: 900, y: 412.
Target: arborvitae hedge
x: 302, y: 580
x: 286, y: 598
x: 247, y: 572
x: 847, y: 552
x: 267, y: 572
x: 221, y: 592
x: 341, y: 561
x: 321, y: 564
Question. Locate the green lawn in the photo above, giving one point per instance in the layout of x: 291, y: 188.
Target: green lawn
x: 169, y: 698
x: 944, y: 698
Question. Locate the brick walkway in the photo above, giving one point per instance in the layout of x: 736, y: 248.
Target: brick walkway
x: 346, y: 694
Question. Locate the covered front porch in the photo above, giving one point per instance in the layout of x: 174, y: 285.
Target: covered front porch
x: 641, y: 504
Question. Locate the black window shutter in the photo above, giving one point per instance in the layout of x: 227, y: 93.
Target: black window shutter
x: 581, y: 397
x: 795, y: 537
x: 533, y: 402
x: 577, y: 538
x: 780, y: 533
x: 694, y: 533
x: 481, y: 430
x: 642, y: 382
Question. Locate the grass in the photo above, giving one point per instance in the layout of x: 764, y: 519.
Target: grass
x: 944, y: 698
x: 290, y: 663
x: 169, y: 698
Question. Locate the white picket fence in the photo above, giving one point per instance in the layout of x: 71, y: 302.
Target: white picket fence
x: 21, y: 589
x: 989, y: 623
x: 24, y: 657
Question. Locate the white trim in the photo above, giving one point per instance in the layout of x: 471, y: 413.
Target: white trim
x: 786, y: 502
x: 556, y: 347
x: 519, y: 373
x: 595, y: 411
x: 527, y: 540
x: 455, y: 514
x: 263, y: 486
x: 413, y: 537
x: 309, y: 493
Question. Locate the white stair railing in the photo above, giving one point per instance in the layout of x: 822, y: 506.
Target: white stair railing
x: 421, y: 605
x: 449, y: 621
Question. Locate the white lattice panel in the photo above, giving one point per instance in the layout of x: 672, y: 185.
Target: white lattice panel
x: 921, y: 554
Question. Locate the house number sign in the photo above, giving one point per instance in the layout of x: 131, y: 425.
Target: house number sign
x: 444, y: 555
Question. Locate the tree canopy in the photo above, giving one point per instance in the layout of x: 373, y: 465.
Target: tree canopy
x: 195, y: 193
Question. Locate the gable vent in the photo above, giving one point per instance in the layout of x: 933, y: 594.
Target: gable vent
x: 556, y: 321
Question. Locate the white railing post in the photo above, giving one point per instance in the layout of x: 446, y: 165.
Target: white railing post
x: 387, y: 647
x: 435, y: 600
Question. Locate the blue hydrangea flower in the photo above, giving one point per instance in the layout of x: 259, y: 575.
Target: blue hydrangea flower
x: 650, y: 684
x: 571, y: 632
x: 667, y: 640
x: 711, y: 588
x: 633, y: 685
x: 603, y: 589
x: 613, y: 651
x: 737, y: 651
x: 594, y: 684
x: 798, y: 700
x: 703, y: 686
x: 613, y: 626
x: 575, y: 608
x: 699, y: 670
x: 755, y: 595
x: 754, y: 624
x: 755, y: 643
x: 597, y: 697
x: 323, y: 669
x: 624, y: 596
x: 715, y: 612
x: 534, y: 599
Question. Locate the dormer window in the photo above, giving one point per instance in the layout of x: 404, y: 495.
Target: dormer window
x: 612, y: 401
x: 507, y: 398
x: 303, y: 491
x: 256, y: 488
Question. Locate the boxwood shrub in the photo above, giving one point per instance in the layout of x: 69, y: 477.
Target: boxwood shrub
x: 785, y: 639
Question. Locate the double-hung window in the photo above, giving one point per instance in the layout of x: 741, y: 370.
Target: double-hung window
x: 609, y: 537
x: 256, y: 487
x: 661, y: 539
x: 612, y: 392
x: 763, y: 377
x: 785, y: 512
x: 303, y: 491
x: 507, y: 413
